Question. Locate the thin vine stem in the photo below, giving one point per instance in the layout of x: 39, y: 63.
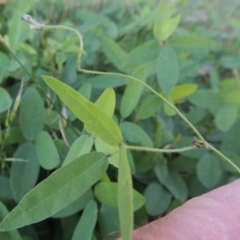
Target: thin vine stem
x: 81, y: 50
x: 150, y: 89
x: 37, y: 26
x: 225, y: 158
x: 148, y: 149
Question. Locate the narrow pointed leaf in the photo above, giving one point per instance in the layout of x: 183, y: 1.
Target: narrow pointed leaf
x: 95, y: 119
x: 125, y: 196
x: 76, y: 206
x: 86, y: 224
x: 11, y: 235
x: 60, y: 189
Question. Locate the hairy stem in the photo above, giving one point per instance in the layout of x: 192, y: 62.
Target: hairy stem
x: 81, y: 51
x: 137, y: 148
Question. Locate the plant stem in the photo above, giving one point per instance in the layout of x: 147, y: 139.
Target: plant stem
x: 81, y: 51
x: 137, y: 148
x: 81, y: 46
x: 150, y: 89
x: 225, y: 158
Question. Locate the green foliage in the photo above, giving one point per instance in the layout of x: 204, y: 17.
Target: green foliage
x: 167, y: 69
x: 75, y: 127
x: 40, y: 202
x: 96, y: 120
x: 125, y: 196
x: 106, y: 192
x: 86, y: 224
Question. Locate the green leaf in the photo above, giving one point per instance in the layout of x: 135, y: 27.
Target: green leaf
x: 60, y: 189
x: 5, y: 100
x: 95, y: 119
x: 75, y: 206
x: 24, y: 174
x: 86, y: 224
x: 31, y: 114
x: 226, y: 116
x: 167, y: 69
x: 69, y: 72
x: 115, y: 54
x: 149, y: 107
x: 161, y: 170
x: 233, y: 97
x: 11, y: 235
x: 14, y: 30
x: 176, y: 186
x: 134, y: 134
x: 47, y: 153
x: 85, y: 90
x: 196, y: 114
x: 5, y: 188
x: 169, y: 111
x: 183, y: 91
x: 125, y: 196
x: 208, y: 170
x: 157, y: 199
x: 106, y: 192
x: 107, y: 101
x: 144, y: 163
x: 80, y: 146
x: 163, y: 15
x: 4, y: 63
x: 214, y: 78
x: 229, y: 61
x: 132, y: 93
x: 108, y: 149
x: 230, y: 137
x: 103, y: 82
x: 144, y: 53
x: 168, y: 28
x: 109, y: 220
x: 191, y: 44
x: 206, y: 98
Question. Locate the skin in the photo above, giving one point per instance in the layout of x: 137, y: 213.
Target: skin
x: 215, y: 215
